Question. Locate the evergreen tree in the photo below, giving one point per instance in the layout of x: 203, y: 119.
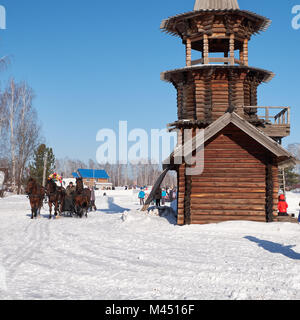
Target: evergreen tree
x: 291, y: 177
x: 37, y: 166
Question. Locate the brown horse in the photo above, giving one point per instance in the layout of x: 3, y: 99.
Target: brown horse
x: 55, y: 197
x: 36, y: 194
x: 82, y: 199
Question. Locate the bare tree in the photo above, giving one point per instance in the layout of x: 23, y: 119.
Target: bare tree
x: 12, y: 100
x: 23, y: 131
x: 28, y: 131
x: 3, y: 129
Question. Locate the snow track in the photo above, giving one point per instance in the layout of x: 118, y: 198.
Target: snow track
x: 143, y: 256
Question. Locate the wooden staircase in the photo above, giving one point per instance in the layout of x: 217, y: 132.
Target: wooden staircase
x: 281, y: 176
x: 154, y: 189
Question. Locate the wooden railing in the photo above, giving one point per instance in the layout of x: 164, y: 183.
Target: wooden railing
x: 281, y: 118
x: 230, y: 61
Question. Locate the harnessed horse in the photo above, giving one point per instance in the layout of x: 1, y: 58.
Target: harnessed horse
x: 55, y: 197
x: 36, y: 194
x: 82, y: 198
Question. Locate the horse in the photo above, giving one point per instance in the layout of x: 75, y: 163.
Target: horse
x: 82, y: 198
x: 55, y: 197
x: 36, y: 194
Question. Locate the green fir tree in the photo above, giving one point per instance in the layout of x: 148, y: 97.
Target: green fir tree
x: 37, y: 166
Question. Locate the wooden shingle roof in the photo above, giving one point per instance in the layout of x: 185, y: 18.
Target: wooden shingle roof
x: 216, y: 5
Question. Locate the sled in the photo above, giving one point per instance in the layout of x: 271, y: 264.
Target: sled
x: 68, y: 206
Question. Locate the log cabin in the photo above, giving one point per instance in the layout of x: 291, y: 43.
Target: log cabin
x: 217, y: 97
x: 93, y: 178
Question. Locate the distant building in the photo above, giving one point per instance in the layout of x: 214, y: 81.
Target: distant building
x: 93, y: 178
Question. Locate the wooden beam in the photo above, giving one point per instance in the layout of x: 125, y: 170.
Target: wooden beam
x: 194, y: 62
x: 231, y: 48
x: 269, y: 194
x: 205, y: 49
x: 245, y: 51
x: 242, y: 56
x: 188, y: 52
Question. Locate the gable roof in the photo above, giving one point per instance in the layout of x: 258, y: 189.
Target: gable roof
x: 75, y: 175
x: 216, y: 4
x: 284, y: 157
x: 90, y: 174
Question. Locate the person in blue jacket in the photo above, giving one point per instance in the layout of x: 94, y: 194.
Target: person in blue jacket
x: 164, y: 196
x: 142, y: 197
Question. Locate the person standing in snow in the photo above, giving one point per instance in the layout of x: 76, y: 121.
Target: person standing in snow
x: 93, y: 199
x: 157, y: 196
x: 171, y: 195
x: 142, y: 197
x: 164, y: 196
x: 282, y: 206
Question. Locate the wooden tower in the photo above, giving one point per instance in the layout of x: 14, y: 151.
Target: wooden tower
x: 217, y: 92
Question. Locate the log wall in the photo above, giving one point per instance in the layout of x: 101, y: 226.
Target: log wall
x: 233, y: 185
x: 207, y: 94
x: 220, y: 96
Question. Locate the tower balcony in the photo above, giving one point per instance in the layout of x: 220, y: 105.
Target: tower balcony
x: 225, y: 61
x: 226, y: 45
x: 275, y: 121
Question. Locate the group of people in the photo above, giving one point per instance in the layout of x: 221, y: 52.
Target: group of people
x: 71, y: 191
x: 160, y: 197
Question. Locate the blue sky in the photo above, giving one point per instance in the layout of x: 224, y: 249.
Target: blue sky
x: 92, y: 63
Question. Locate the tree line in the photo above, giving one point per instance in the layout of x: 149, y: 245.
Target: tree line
x: 132, y: 174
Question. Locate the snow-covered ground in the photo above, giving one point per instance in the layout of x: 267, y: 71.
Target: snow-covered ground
x: 121, y: 253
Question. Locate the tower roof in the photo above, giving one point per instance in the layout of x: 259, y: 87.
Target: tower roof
x: 171, y: 24
x: 204, y: 8
x: 216, y: 5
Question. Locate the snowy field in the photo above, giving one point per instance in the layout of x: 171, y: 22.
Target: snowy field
x: 112, y: 255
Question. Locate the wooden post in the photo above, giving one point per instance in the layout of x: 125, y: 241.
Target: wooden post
x: 267, y: 114
x: 288, y: 115
x: 242, y: 55
x: 269, y: 192
x: 188, y: 52
x: 231, y: 49
x: 245, y: 51
x: 205, y: 49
